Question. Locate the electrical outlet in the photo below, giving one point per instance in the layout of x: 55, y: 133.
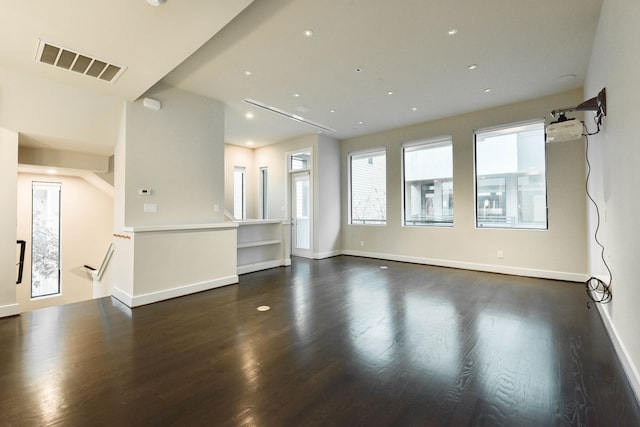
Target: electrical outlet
x: 500, y: 254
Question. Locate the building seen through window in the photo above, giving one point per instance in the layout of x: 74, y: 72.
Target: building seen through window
x: 428, y: 182
x: 511, y: 187
x: 368, y: 187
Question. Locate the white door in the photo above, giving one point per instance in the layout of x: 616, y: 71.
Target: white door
x: 301, y: 218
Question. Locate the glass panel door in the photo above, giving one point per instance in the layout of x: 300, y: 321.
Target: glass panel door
x: 301, y: 219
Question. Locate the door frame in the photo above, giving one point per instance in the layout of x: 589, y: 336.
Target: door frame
x: 305, y: 253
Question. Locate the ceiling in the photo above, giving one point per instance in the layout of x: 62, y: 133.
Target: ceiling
x: 370, y: 65
x: 148, y: 41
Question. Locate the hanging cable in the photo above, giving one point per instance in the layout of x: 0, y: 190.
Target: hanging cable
x: 598, y: 290
x: 597, y: 119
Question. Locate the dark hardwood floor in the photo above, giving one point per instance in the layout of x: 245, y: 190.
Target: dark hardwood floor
x: 346, y: 343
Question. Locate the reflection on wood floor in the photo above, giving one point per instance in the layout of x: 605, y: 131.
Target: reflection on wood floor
x: 345, y: 342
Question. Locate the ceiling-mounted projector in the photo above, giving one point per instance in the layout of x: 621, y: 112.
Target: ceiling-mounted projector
x: 564, y: 130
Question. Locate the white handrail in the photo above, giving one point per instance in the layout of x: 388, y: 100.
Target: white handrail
x: 105, y: 261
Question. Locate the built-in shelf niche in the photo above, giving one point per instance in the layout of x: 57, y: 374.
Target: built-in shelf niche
x: 262, y: 244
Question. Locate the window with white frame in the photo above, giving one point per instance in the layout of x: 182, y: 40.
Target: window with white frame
x: 299, y: 161
x: 264, y: 185
x: 45, y: 239
x: 368, y: 187
x: 428, y: 182
x: 511, y: 189
x: 239, y: 193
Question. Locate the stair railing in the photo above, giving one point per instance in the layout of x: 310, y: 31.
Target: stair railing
x: 20, y: 264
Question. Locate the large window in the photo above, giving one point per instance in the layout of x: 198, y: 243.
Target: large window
x: 368, y: 187
x: 45, y: 239
x: 428, y: 182
x: 511, y: 189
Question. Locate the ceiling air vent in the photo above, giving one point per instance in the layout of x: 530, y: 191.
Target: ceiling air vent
x: 80, y: 63
x: 284, y: 113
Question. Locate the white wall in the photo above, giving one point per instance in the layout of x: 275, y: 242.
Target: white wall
x: 325, y: 178
x: 119, y: 173
x: 327, y: 209
x: 242, y: 157
x: 558, y: 252
x: 615, y: 175
x: 86, y: 228
x: 178, y: 153
x: 275, y: 158
x: 172, y: 262
x: 51, y: 114
x: 63, y: 159
x: 8, y: 219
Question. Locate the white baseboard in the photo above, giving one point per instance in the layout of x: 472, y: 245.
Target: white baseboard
x: 122, y: 296
x: 323, y: 255
x: 257, y: 266
x: 490, y: 268
x: 9, y: 310
x: 627, y: 363
x: 138, y: 300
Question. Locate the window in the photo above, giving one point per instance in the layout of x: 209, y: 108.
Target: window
x: 299, y: 161
x: 45, y: 239
x: 239, y: 193
x: 428, y: 182
x: 368, y: 187
x: 264, y: 173
x: 511, y: 189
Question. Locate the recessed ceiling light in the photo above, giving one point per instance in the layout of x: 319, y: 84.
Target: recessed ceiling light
x: 247, y: 73
x: 155, y: 3
x: 358, y: 70
x: 249, y: 115
x: 452, y: 31
x: 487, y: 90
x: 332, y: 111
x: 414, y: 109
x: 360, y: 123
x: 472, y: 66
x: 390, y: 92
x: 249, y: 143
x: 264, y: 308
x: 297, y: 95
x: 308, y: 33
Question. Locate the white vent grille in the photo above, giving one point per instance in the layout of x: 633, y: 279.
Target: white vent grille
x: 67, y: 59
